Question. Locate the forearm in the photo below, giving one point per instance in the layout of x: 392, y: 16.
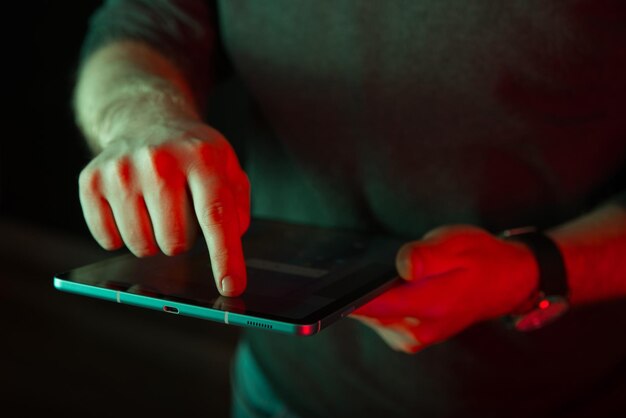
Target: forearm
x: 594, y: 250
x: 122, y: 81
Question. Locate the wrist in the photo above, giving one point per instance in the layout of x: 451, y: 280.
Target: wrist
x: 143, y: 114
x: 526, y: 277
x: 128, y: 87
x: 550, y: 300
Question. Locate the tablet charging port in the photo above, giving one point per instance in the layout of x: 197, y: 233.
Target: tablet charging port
x: 170, y: 309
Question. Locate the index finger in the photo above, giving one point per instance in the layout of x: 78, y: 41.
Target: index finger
x: 217, y: 215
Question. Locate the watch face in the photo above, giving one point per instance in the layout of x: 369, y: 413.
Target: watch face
x: 546, y: 311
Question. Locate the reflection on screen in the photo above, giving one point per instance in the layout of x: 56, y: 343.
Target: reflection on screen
x: 284, y: 280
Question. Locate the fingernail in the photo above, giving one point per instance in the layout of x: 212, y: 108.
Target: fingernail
x: 228, y: 285
x: 409, y: 263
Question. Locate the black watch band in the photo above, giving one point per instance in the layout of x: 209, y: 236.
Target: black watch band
x: 551, y: 298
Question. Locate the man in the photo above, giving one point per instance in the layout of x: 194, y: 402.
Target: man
x: 444, y: 122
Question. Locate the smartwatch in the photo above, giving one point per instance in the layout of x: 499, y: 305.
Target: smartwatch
x: 550, y: 300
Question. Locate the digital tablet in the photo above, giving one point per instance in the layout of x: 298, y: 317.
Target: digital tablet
x: 300, y: 278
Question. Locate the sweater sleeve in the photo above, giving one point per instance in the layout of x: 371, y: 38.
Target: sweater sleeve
x: 184, y: 31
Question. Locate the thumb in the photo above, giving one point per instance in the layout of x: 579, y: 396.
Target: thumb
x: 421, y: 259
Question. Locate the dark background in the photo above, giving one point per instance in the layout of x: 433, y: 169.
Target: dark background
x: 64, y: 353
x: 42, y: 158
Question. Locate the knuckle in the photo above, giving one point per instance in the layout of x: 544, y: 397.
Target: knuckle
x: 148, y: 156
x: 214, y: 214
x: 208, y: 154
x: 119, y: 173
x: 215, y: 153
x: 89, y: 181
x: 161, y: 163
x: 121, y: 167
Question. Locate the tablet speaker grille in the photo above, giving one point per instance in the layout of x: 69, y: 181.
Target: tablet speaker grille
x: 259, y: 325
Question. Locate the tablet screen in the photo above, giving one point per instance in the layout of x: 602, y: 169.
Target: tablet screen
x: 295, y: 274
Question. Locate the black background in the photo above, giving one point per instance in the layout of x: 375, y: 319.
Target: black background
x: 43, y: 154
x: 62, y: 353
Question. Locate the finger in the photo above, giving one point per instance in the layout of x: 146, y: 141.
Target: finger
x: 410, y: 335
x: 409, y: 321
x: 131, y: 217
x: 435, y: 332
x: 240, y: 187
x: 424, y: 300
x: 399, y: 340
x: 121, y: 189
x: 422, y: 259
x: 170, y: 211
x: 217, y: 215
x: 398, y: 336
x: 167, y: 202
x: 241, y: 193
x: 97, y: 212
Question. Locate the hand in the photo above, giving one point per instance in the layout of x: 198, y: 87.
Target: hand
x: 455, y: 276
x: 140, y: 190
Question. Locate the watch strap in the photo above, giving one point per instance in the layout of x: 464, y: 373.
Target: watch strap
x: 552, y: 272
